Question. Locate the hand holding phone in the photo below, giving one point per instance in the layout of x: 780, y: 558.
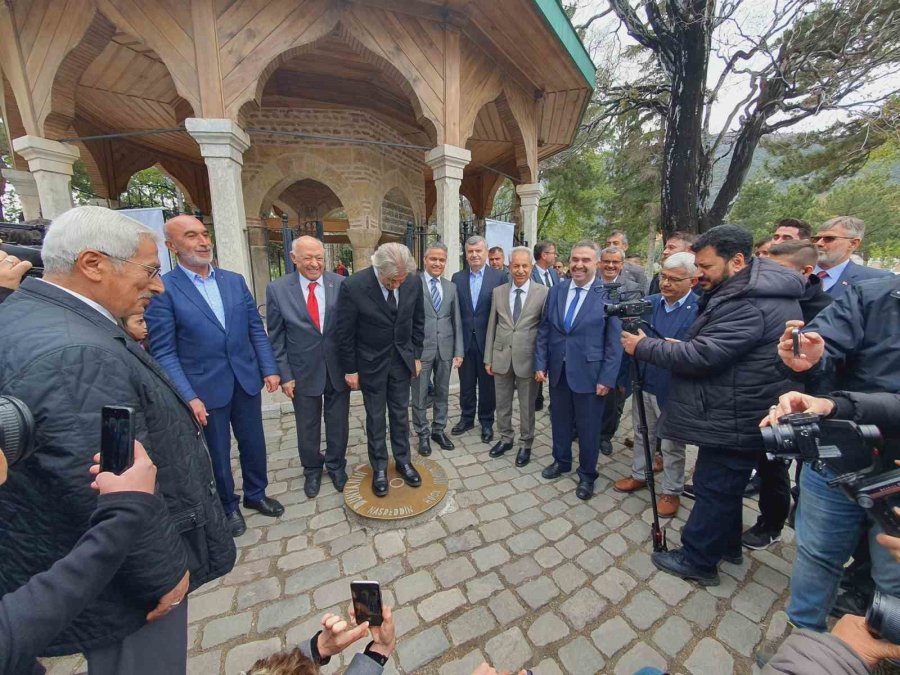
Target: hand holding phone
x: 795, y: 340
x: 366, y: 597
x: 116, y: 438
x: 141, y: 477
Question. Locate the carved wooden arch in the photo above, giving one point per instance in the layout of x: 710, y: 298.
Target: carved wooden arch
x: 509, y: 106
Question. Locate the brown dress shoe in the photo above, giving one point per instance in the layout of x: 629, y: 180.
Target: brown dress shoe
x: 629, y: 485
x: 657, y: 463
x: 667, y: 505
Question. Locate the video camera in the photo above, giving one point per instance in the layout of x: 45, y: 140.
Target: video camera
x: 16, y: 430
x: 808, y: 437
x: 631, y: 312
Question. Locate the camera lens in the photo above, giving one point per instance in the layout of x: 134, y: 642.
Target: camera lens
x: 779, y: 439
x: 16, y: 430
x: 883, y: 617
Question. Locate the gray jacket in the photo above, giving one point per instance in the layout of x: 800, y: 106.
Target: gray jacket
x: 636, y: 274
x: 809, y: 653
x: 443, y: 329
x: 508, y: 344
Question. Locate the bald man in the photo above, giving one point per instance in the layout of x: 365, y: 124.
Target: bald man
x: 206, y: 333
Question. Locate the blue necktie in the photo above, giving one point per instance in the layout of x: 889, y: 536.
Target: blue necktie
x: 435, y: 296
x: 570, y: 315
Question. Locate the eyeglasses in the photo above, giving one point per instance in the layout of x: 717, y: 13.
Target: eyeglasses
x: 672, y: 280
x: 152, y: 272
x: 828, y: 238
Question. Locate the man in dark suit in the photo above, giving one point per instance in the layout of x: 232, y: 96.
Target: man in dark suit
x: 578, y: 351
x: 496, y: 259
x: 302, y: 314
x: 635, y: 273
x: 836, y: 240
x: 474, y: 286
x: 381, y: 329
x: 206, y: 333
x: 544, y: 272
x: 442, y: 350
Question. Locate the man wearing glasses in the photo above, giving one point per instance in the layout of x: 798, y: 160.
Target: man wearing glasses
x: 836, y: 240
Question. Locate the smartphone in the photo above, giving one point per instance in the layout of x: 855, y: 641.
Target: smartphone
x: 366, y: 596
x: 116, y: 438
x: 795, y: 338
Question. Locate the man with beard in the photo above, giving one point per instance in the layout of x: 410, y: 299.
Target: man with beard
x: 206, y: 333
x: 836, y: 240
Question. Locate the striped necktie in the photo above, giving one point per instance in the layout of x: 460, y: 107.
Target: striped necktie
x: 435, y: 296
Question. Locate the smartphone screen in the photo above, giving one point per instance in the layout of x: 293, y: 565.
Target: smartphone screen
x: 366, y: 596
x: 116, y: 438
x: 795, y: 337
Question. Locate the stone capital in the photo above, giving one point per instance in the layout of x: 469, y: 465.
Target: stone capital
x: 218, y: 138
x: 448, y: 161
x: 529, y: 193
x: 22, y: 181
x: 42, y: 154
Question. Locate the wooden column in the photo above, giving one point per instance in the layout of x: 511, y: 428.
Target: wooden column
x: 529, y: 197
x: 27, y: 191
x: 50, y: 163
x: 447, y: 163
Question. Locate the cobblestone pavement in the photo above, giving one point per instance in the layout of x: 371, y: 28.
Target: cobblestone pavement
x: 510, y: 568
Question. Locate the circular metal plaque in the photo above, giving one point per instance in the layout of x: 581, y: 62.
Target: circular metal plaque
x: 401, y: 501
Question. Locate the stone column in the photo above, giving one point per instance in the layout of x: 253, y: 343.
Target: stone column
x: 364, y: 243
x: 222, y: 145
x: 50, y: 163
x: 529, y: 197
x: 447, y: 162
x: 27, y: 191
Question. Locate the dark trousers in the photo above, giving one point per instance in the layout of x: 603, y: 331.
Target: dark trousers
x: 388, y: 390
x: 583, y: 412
x: 774, y: 494
x: 472, y: 375
x: 612, y: 413
x: 715, y: 525
x: 243, y: 414
x: 308, y: 412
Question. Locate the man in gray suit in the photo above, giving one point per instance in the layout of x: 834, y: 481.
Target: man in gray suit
x: 516, y: 312
x: 301, y: 313
x: 630, y: 271
x: 442, y: 350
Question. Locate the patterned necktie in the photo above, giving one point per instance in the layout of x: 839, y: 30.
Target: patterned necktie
x: 570, y: 315
x: 435, y: 296
x: 517, y: 305
x: 312, y: 305
x: 392, y: 301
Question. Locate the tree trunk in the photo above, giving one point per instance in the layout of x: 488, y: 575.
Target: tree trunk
x: 683, y: 143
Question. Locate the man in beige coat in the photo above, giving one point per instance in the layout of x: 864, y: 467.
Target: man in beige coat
x: 516, y: 312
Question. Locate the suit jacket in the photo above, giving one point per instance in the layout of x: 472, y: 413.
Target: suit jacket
x: 853, y: 274
x: 443, y: 329
x: 303, y: 353
x: 203, y: 358
x: 628, y: 291
x: 368, y: 333
x: 475, y: 322
x: 510, y: 345
x: 591, y: 350
x: 636, y: 274
x: 537, y: 274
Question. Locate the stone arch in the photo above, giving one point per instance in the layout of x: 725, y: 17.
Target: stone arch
x: 395, y: 180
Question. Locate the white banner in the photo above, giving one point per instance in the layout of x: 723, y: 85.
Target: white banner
x: 155, y: 220
x: 500, y: 233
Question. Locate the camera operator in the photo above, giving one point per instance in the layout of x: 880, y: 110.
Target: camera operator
x: 723, y: 378
x: 852, y: 346
x: 12, y: 271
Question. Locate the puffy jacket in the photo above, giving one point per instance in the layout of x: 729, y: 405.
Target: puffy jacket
x: 809, y: 653
x: 66, y: 361
x: 724, y: 375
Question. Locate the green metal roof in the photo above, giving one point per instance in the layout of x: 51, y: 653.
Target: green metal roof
x: 556, y: 18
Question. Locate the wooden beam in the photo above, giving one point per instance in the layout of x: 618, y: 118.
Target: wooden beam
x: 14, y: 69
x: 451, y: 86
x: 206, y: 51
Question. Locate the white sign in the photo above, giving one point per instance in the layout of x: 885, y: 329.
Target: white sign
x: 155, y: 220
x: 499, y: 233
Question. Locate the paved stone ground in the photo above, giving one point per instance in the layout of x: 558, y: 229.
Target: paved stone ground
x: 511, y: 569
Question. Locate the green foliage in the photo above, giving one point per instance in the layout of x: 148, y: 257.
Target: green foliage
x: 761, y: 203
x: 150, y: 187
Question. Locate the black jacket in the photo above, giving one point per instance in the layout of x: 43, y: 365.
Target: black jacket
x: 66, y: 361
x: 367, y: 331
x: 5, y: 293
x: 814, y: 299
x: 723, y: 374
x: 32, y: 616
x: 881, y: 409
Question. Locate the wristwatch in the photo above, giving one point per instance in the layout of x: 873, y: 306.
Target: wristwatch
x: 380, y: 659
x: 314, y: 651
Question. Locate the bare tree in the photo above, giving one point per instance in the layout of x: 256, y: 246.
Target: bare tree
x: 804, y: 57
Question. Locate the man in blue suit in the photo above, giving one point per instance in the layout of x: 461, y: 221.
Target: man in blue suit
x: 206, y: 333
x: 544, y: 272
x: 474, y: 286
x: 836, y: 240
x: 578, y: 351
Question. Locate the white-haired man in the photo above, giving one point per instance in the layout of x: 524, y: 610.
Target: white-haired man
x: 381, y: 329
x: 63, y: 353
x: 674, y: 310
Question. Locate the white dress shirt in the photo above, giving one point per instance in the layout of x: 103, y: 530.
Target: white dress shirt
x: 581, y: 296
x: 546, y: 276
x: 512, y: 294
x: 90, y: 303
x: 384, y: 290
x: 320, y: 297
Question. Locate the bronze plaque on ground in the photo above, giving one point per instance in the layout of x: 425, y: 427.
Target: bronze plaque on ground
x: 401, y: 501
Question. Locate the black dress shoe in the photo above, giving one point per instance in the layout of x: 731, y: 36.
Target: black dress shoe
x: 462, y: 427
x: 538, y: 404
x: 554, y: 471
x: 311, y: 484
x: 500, y: 449
x: 523, y: 457
x: 441, y: 439
x: 380, y: 482
x: 424, y: 446
x: 585, y: 489
x: 674, y: 563
x: 236, y: 524
x: 487, y: 433
x: 409, y: 474
x: 266, y: 506
x: 338, y: 479
x: 606, y: 447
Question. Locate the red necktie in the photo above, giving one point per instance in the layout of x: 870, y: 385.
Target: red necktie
x: 313, y: 305
x: 822, y: 274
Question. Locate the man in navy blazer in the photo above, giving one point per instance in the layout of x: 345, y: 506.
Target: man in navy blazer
x: 836, y: 240
x: 475, y: 310
x: 545, y: 273
x: 578, y: 352
x: 302, y: 316
x: 206, y: 333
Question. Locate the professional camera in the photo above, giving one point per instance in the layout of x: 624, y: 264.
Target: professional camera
x: 632, y: 313
x: 16, y: 430
x: 883, y: 618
